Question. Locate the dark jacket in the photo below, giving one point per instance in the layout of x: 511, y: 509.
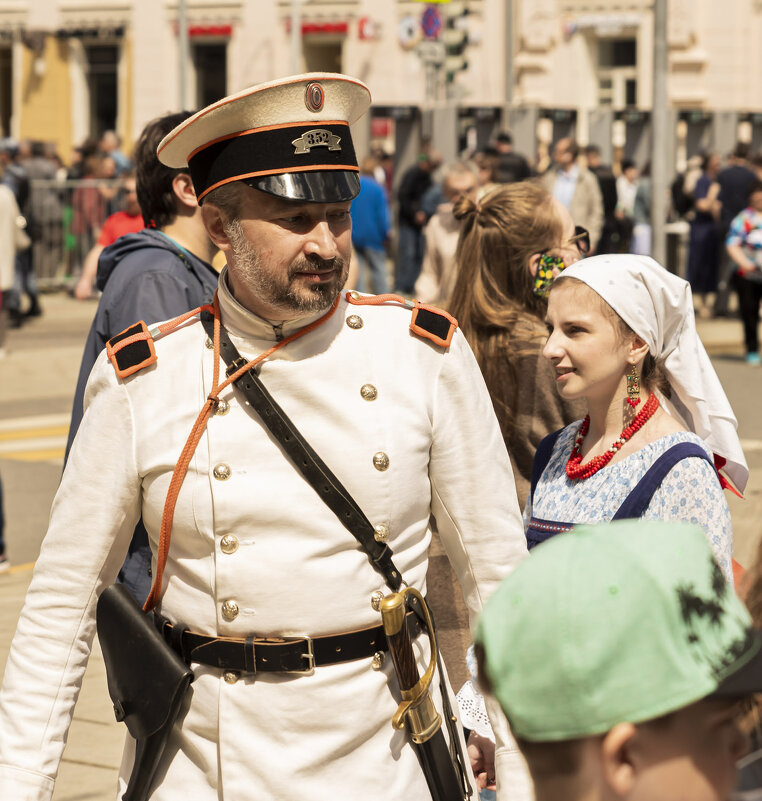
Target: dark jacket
x: 144, y: 276
x: 413, y: 186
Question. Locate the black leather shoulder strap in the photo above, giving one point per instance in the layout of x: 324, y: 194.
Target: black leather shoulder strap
x: 306, y: 460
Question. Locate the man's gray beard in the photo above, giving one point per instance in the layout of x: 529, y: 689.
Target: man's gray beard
x: 277, y: 290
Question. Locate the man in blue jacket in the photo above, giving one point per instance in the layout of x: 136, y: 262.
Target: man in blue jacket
x: 370, y: 229
x: 156, y: 274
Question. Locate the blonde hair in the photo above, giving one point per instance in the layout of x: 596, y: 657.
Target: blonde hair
x: 493, y: 299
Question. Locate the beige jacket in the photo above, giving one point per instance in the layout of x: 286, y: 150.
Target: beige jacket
x: 587, y: 203
x: 9, y: 214
x: 438, y: 271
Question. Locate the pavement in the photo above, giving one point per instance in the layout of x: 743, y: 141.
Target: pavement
x: 37, y: 379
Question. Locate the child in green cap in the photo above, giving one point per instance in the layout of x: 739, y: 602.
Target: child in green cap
x: 622, y: 659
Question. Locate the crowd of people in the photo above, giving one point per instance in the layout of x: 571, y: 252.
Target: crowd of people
x: 563, y: 376
x: 63, y: 208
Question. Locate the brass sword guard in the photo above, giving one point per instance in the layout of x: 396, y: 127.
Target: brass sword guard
x: 417, y: 707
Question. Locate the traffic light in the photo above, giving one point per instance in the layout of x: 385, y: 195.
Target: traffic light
x: 455, y: 37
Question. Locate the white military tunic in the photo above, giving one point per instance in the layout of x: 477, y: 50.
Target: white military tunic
x: 287, y: 563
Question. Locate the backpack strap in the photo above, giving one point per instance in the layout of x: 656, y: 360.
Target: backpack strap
x: 636, y: 503
x: 541, y: 459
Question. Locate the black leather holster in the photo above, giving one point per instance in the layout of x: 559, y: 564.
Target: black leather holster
x: 147, y: 681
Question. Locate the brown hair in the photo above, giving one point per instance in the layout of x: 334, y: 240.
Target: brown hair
x: 493, y: 299
x: 652, y: 375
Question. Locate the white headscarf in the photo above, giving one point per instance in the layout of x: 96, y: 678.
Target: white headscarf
x: 658, y: 307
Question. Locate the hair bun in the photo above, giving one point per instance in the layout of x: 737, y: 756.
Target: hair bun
x: 464, y: 207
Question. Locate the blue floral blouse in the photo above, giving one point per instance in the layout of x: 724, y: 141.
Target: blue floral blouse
x: 689, y: 492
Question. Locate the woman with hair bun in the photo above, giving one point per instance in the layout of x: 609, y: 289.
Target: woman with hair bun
x: 513, y: 240
x: 622, y: 337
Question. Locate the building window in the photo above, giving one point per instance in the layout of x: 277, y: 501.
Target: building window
x: 322, y: 53
x: 6, y: 90
x: 102, y: 62
x: 617, y: 73
x: 210, y: 63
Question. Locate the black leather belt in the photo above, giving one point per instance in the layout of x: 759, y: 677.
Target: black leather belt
x: 276, y: 654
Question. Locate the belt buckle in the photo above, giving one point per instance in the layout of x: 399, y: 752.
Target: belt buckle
x: 235, y: 366
x: 309, y: 656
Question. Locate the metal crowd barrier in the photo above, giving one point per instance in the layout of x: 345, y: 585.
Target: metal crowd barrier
x: 64, y: 219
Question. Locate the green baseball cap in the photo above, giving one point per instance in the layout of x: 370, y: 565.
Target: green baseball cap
x: 623, y: 621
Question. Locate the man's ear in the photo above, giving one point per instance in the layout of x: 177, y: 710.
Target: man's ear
x: 619, y: 769
x: 638, y: 350
x: 182, y: 186
x: 214, y: 223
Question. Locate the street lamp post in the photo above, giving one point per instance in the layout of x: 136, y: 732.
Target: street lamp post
x: 660, y: 135
x: 296, y: 36
x: 183, y: 51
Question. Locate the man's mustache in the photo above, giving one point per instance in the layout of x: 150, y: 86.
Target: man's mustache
x: 312, y: 264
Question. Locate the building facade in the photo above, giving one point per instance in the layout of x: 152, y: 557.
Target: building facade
x: 70, y: 69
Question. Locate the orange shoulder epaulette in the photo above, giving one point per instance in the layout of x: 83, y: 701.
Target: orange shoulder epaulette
x: 427, y: 321
x: 133, y: 349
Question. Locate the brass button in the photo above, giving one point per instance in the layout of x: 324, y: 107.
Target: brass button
x: 209, y: 344
x: 230, y: 609
x: 222, y: 472
x: 375, y: 599
x: 368, y: 392
x: 378, y: 660
x: 380, y: 461
x: 354, y: 321
x: 229, y: 544
x: 223, y: 407
x: 354, y: 294
x: 230, y: 676
x: 381, y: 533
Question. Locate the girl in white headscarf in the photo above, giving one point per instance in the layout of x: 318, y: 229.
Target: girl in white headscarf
x: 622, y: 336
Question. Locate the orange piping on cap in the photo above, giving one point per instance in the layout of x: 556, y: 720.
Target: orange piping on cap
x: 254, y: 90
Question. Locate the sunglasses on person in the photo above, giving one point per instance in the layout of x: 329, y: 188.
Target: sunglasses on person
x: 581, y: 239
x: 549, y: 266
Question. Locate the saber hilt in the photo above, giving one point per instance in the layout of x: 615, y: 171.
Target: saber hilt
x: 417, y: 708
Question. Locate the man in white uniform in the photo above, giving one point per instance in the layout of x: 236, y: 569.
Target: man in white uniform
x: 398, y: 413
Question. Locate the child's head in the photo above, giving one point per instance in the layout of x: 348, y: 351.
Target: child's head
x: 620, y: 656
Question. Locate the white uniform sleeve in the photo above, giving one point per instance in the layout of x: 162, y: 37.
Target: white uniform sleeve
x: 92, y: 519
x: 477, y: 516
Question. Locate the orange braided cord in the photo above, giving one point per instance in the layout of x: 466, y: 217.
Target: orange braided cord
x: 172, y: 324
x: 377, y: 300
x: 181, y: 468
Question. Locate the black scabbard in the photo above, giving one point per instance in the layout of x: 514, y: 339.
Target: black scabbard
x: 417, y: 711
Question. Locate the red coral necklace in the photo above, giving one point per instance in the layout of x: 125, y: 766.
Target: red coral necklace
x: 574, y: 468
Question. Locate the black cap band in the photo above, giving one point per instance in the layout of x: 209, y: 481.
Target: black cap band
x: 294, y: 148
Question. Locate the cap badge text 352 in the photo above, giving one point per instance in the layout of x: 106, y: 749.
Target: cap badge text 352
x: 317, y: 137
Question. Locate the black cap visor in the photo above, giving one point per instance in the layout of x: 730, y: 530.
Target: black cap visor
x: 747, y: 679
x: 320, y: 186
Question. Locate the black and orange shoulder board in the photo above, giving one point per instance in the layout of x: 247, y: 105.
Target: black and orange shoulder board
x: 428, y: 322
x: 434, y: 324
x: 132, y: 350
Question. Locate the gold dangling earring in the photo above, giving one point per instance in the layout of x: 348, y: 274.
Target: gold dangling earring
x: 633, y: 387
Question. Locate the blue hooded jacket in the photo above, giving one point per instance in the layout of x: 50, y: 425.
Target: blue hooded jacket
x: 145, y: 276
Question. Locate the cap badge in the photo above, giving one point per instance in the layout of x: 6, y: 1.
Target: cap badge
x: 314, y: 97
x: 317, y: 137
